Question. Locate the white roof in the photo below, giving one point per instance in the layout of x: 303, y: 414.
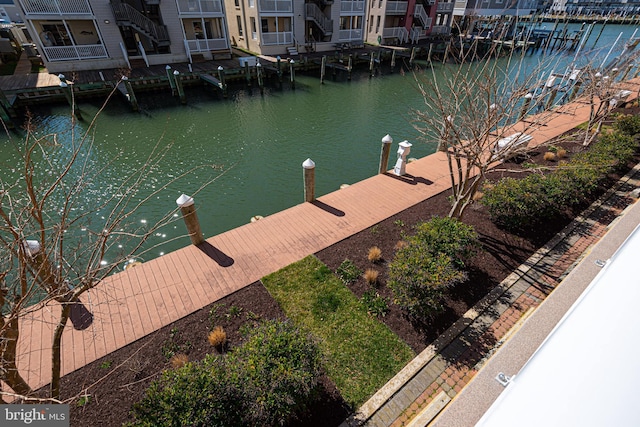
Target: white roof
x: 587, y: 371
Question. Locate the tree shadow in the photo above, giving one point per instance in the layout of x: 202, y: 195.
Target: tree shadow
x: 216, y: 254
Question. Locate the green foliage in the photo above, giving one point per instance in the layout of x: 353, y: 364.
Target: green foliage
x: 174, y: 345
x: 325, y: 304
x: 348, y: 272
x: 431, y: 262
x: 106, y: 364
x: 628, y: 124
x: 360, y: 353
x: 263, y: 382
x: 375, y: 304
x: 527, y: 202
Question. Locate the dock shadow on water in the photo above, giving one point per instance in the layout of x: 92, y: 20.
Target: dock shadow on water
x: 216, y: 254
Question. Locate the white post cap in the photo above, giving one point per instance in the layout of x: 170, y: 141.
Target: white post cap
x: 308, y: 164
x: 32, y: 247
x: 176, y: 72
x: 405, y: 144
x: 387, y: 139
x: 184, y: 201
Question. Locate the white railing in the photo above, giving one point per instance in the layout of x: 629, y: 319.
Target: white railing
x: 396, y: 7
x: 68, y: 53
x: 56, y: 7
x: 441, y: 29
x: 444, y: 7
x: 422, y: 15
x: 277, y: 38
x: 198, y: 7
x: 206, y: 45
x: 349, y: 35
x: 351, y: 6
x: 276, y: 6
x: 125, y: 54
x: 400, y: 33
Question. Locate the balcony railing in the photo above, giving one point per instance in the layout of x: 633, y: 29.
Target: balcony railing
x: 400, y: 33
x: 444, y: 7
x: 207, y: 45
x: 396, y: 8
x: 199, y: 7
x: 421, y: 14
x: 348, y: 7
x: 441, y: 29
x: 276, y: 6
x: 69, y: 53
x: 277, y: 38
x: 350, y: 35
x: 56, y: 7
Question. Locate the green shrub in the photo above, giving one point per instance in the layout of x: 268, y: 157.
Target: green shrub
x: 522, y: 203
x: 375, y: 304
x: 263, y: 382
x: 348, y: 272
x: 431, y: 262
x: 628, y: 124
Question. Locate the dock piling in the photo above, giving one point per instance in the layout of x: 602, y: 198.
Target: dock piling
x: 130, y: 94
x: 188, y: 209
x: 172, y: 83
x: 384, y: 153
x: 413, y: 56
x: 323, y: 64
x: 309, y: 180
x: 525, y: 107
x: 292, y: 74
x: 247, y: 73
x: 371, y: 66
x: 179, y: 87
x: 393, y: 60
x: 350, y: 66
x: 68, y: 94
x: 259, y: 77
x: 223, y: 85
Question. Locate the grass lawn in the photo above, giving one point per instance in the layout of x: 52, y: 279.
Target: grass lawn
x: 361, y: 354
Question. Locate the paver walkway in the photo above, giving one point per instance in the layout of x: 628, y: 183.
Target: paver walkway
x: 134, y: 303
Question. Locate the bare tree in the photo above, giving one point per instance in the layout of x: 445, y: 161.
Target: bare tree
x: 482, y: 112
x: 53, y: 246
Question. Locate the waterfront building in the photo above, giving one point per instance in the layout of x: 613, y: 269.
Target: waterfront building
x: 95, y: 34
x: 288, y: 27
x: 620, y: 8
x: 9, y: 12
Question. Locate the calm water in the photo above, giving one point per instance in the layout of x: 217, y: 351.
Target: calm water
x: 259, y: 141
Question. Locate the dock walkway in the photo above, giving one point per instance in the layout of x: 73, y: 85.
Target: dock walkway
x: 141, y: 300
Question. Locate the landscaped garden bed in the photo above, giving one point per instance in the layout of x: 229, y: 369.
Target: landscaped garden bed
x: 105, y: 389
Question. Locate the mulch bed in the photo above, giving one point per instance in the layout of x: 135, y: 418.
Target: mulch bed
x: 119, y: 379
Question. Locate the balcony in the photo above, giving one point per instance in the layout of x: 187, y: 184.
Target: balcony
x: 56, y: 7
x: 445, y: 7
x: 199, y: 7
x: 276, y: 6
x: 207, y: 45
x: 396, y: 8
x: 350, y: 35
x: 399, y: 33
x: 283, y: 38
x: 73, y: 53
x: 351, y: 7
x: 441, y: 29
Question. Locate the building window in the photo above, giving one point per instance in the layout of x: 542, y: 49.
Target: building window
x: 378, y: 24
x: 254, y: 29
x: 55, y: 35
x: 370, y: 23
x: 237, y: 3
x: 240, y: 32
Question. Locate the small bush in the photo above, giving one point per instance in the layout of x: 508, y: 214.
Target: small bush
x: 549, y: 156
x: 375, y: 304
x: 348, y: 272
x: 217, y: 337
x: 400, y: 244
x: 371, y: 276
x: 375, y: 254
x: 628, y: 124
x: 561, y: 153
x: 179, y: 360
x: 266, y: 382
x: 432, y: 261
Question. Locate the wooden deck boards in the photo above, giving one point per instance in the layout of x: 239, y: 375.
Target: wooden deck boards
x: 136, y: 302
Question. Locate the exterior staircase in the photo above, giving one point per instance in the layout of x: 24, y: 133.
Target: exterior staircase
x: 293, y: 51
x: 422, y: 16
x: 314, y: 14
x: 129, y: 16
